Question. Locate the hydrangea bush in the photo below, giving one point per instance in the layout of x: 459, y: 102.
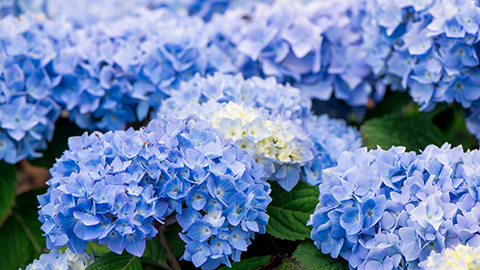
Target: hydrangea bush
x: 114, y: 71
x: 203, y: 134
x: 432, y: 47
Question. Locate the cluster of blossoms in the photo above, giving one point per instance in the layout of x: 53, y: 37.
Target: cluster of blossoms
x: 428, y: 47
x: 27, y: 111
x: 111, y: 188
x: 432, y: 46
x: 84, y: 12
x: 347, y: 49
x: 111, y: 73
x: 201, y: 8
x: 62, y: 261
x: 391, y: 209
x: 316, y: 46
x: 330, y: 137
x: 461, y: 258
x: 114, y: 71
x: 270, y: 121
x: 277, y: 143
x: 256, y: 92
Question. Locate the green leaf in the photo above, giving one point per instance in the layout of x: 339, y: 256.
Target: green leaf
x: 439, y: 109
x: 154, y: 253
x: 7, y: 189
x: 250, y: 263
x: 413, y: 133
x: 113, y: 261
x: 289, y: 264
x: 290, y: 211
x: 21, y: 238
x: 311, y: 258
x: 392, y: 103
x: 98, y: 250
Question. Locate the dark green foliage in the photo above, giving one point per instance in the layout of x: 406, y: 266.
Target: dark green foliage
x: 21, y: 238
x: 250, y: 263
x: 310, y: 258
x: 290, y: 211
x: 7, y: 189
x: 413, y: 133
x: 113, y: 261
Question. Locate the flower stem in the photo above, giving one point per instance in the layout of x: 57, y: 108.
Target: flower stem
x: 169, y: 221
x: 166, y: 246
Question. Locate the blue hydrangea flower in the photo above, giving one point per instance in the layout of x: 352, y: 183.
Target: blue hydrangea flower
x: 27, y: 111
x: 81, y: 13
x: 110, y: 188
x: 113, y: 72
x: 277, y: 142
x: 316, y: 46
x: 270, y: 121
x: 391, y: 209
x: 429, y: 46
x: 62, y: 261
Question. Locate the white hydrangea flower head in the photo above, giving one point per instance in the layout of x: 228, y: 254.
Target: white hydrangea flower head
x: 460, y: 258
x: 62, y: 261
x: 261, y: 133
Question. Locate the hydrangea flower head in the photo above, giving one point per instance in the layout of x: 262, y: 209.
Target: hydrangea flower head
x: 271, y: 121
x: 461, y: 257
x: 83, y: 13
x: 256, y: 92
x: 317, y: 46
x: 110, y: 188
x: 113, y: 72
x: 27, y: 111
x: 62, y: 261
x: 429, y: 47
x: 393, y: 208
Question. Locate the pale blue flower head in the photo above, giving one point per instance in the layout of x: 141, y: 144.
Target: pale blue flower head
x: 299, y: 43
x: 429, y: 46
x: 392, y: 208
x: 27, y: 110
x: 62, y: 261
x: 111, y: 188
x: 113, y: 72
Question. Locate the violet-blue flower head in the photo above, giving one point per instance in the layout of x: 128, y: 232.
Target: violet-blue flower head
x: 103, y: 190
x: 390, y: 208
